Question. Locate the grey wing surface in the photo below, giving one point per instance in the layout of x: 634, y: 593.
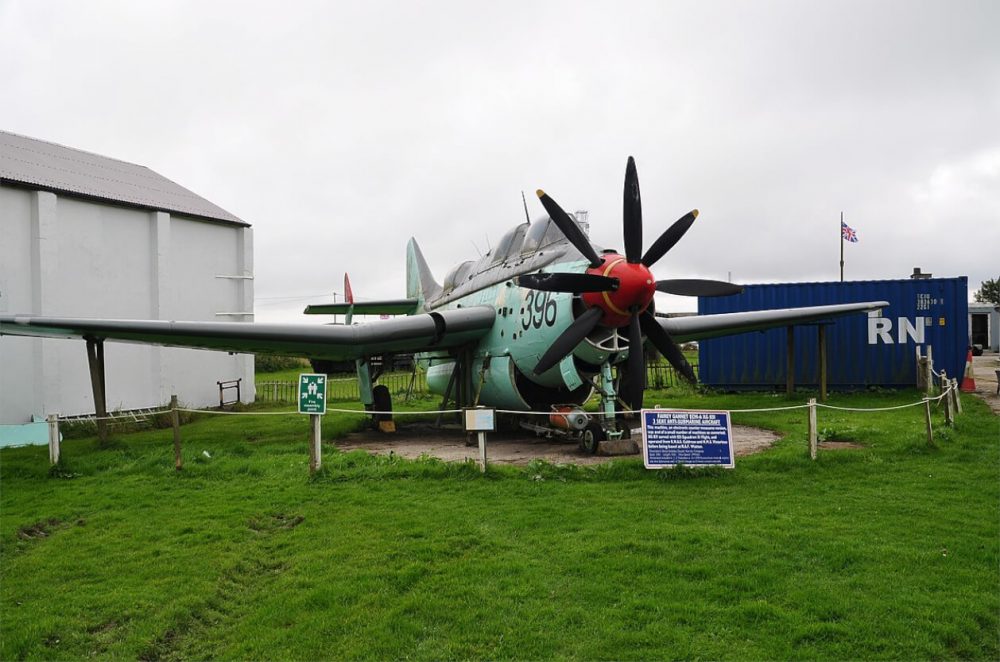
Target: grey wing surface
x: 684, y: 329
x: 424, y: 332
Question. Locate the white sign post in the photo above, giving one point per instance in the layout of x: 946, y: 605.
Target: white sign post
x: 480, y: 420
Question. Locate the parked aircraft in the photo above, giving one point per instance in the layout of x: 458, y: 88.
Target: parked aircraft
x: 544, y: 320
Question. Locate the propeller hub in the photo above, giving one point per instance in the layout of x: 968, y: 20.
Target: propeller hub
x: 633, y: 295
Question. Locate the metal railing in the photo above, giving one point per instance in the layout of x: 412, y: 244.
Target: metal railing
x: 659, y: 376
x: 343, y: 388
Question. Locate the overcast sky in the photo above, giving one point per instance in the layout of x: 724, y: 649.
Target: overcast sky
x: 340, y: 129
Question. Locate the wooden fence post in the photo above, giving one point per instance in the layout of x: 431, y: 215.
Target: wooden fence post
x: 920, y: 371
x: 927, y: 419
x: 175, y: 423
x: 53, y: 438
x: 949, y: 416
x: 315, y: 451
x: 954, y: 394
x: 813, y: 432
x: 929, y: 371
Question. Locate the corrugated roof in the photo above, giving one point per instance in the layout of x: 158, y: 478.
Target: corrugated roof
x: 28, y: 161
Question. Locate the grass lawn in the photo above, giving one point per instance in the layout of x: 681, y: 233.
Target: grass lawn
x: 891, y: 551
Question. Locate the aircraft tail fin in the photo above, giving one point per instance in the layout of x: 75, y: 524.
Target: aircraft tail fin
x: 348, y: 293
x: 420, y: 283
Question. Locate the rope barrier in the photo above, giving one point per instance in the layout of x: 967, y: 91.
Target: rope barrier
x: 367, y: 412
x: 906, y: 406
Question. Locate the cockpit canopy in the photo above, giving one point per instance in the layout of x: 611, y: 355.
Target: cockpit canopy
x: 510, y: 244
x: 544, y: 232
x: 519, y: 243
x: 458, y: 275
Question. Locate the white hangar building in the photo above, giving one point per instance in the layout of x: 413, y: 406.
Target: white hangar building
x: 83, y: 235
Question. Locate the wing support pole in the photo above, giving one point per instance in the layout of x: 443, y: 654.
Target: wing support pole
x: 790, y: 360
x: 95, y: 358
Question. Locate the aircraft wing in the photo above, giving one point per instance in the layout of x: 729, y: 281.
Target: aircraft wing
x: 684, y: 329
x: 389, y: 307
x: 424, y: 332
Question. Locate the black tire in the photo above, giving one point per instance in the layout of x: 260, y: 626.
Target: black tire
x: 382, y: 402
x: 592, y: 437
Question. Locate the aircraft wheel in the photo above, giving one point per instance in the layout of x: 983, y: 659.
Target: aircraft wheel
x: 592, y: 437
x: 382, y: 402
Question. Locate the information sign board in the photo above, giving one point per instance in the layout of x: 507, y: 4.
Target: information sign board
x: 479, y: 420
x: 692, y: 438
x: 312, y: 394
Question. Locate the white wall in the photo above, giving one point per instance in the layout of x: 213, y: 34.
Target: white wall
x: 67, y: 257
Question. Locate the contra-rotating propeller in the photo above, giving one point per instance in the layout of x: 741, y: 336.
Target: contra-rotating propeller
x: 617, y: 290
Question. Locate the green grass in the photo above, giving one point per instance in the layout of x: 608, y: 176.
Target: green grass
x: 888, y: 552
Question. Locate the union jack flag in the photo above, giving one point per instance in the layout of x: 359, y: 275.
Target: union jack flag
x: 848, y: 233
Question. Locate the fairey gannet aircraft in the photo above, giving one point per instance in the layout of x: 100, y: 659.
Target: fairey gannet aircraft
x: 543, y: 320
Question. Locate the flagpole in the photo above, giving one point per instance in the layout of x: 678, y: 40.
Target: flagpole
x: 841, y: 247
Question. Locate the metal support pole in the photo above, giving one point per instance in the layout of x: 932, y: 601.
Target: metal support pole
x: 363, y: 367
x: 315, y: 451
x: 822, y: 363
x: 790, y: 360
x: 447, y: 392
x: 842, y: 246
x: 813, y: 432
x: 607, y: 394
x: 53, y: 438
x: 95, y: 358
x: 175, y: 423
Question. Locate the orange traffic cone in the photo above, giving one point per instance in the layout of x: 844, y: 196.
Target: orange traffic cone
x: 969, y: 379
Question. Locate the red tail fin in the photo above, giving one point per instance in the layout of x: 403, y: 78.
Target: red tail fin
x: 348, y: 294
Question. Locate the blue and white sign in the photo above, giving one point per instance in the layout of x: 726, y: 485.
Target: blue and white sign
x: 689, y: 437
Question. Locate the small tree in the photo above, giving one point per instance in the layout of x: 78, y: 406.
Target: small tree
x: 989, y: 292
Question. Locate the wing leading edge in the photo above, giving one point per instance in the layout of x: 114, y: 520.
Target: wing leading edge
x: 684, y: 329
x: 428, y: 331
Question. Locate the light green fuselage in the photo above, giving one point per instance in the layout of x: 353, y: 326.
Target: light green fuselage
x: 503, y: 361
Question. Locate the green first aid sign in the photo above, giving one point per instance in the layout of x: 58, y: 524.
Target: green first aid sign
x: 312, y: 394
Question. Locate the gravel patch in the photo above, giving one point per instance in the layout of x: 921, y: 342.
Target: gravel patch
x: 449, y: 444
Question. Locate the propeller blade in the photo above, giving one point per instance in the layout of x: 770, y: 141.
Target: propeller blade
x: 667, y: 240
x: 666, y: 346
x: 694, y: 287
x: 635, y: 375
x: 564, y: 282
x: 569, y: 228
x: 632, y: 214
x: 569, y: 339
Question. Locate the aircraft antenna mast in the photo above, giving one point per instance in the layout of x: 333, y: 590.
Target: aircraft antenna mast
x: 525, y: 202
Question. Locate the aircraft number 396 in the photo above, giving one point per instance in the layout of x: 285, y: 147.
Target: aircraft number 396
x: 539, y: 308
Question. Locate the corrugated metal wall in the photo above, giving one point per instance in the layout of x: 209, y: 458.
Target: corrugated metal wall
x: 858, y: 353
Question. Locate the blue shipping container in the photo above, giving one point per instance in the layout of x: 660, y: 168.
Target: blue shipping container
x: 861, y: 351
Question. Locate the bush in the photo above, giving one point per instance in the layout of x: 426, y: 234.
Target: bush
x: 272, y: 363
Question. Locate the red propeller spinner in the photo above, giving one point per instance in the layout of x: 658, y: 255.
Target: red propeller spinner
x: 633, y: 294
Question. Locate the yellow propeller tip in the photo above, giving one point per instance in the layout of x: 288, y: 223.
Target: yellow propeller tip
x: 694, y: 212
x: 539, y: 193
